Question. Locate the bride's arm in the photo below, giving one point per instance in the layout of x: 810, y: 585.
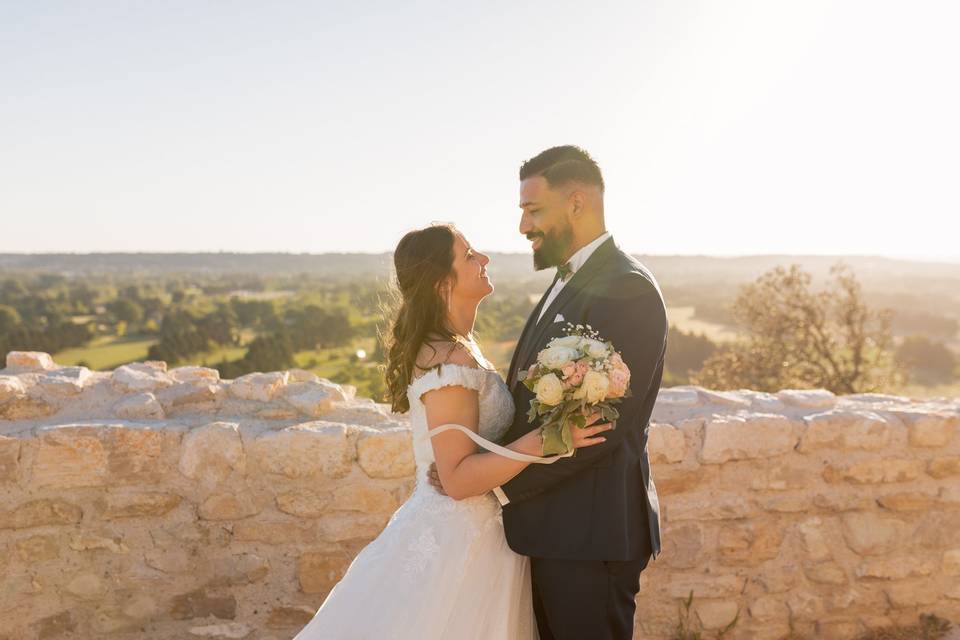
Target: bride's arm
x: 463, y: 471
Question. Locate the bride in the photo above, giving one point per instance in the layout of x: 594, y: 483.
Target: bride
x: 441, y: 569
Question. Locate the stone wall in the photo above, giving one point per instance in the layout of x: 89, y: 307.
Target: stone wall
x: 155, y: 503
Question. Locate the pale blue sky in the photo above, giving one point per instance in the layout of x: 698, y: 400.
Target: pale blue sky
x: 723, y: 128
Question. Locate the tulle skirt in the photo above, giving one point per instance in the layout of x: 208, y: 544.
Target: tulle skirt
x: 440, y: 570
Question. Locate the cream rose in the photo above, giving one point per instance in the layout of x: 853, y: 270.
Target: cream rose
x: 568, y: 341
x: 594, y: 388
x: 549, y: 390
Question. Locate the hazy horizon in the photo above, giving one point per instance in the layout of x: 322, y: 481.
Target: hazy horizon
x: 723, y: 129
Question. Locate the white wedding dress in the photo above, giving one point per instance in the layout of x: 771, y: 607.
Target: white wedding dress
x: 441, y: 569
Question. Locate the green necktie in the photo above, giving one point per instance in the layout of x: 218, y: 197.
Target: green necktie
x: 564, y: 271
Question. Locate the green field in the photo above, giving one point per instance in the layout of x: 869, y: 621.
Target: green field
x: 107, y: 352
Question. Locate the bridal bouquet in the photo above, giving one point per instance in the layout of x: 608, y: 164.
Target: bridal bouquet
x: 573, y: 377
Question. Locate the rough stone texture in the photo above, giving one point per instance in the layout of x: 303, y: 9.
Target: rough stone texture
x: 146, y: 503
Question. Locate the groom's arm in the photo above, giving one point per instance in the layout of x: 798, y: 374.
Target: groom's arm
x: 630, y: 313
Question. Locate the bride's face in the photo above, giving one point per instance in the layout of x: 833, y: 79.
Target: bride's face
x: 470, y: 266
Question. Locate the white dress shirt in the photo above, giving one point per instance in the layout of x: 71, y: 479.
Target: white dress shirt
x: 576, y: 261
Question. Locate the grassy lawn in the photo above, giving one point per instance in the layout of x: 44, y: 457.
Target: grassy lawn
x: 107, y: 352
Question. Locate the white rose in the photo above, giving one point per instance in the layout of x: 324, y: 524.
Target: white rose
x: 594, y: 387
x: 594, y: 348
x: 567, y: 341
x: 554, y: 357
x: 549, y: 390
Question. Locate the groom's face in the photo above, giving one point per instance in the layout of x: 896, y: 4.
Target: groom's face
x: 545, y: 222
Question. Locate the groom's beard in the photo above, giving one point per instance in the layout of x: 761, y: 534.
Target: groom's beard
x: 553, y: 248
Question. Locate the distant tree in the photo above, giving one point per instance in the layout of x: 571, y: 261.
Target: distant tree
x: 800, y: 338
x: 927, y: 361
x: 686, y: 354
x: 126, y: 310
x: 220, y: 326
x: 9, y: 318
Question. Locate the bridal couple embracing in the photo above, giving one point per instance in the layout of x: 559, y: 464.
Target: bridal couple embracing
x: 499, y: 541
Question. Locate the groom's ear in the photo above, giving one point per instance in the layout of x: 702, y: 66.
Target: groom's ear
x: 577, y: 202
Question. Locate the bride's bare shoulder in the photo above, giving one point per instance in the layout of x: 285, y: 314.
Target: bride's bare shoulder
x: 434, y: 353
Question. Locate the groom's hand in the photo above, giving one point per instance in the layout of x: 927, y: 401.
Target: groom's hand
x: 434, y: 479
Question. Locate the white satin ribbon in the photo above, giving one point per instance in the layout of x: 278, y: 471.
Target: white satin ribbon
x: 494, y: 447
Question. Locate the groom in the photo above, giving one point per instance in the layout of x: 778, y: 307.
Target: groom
x: 589, y: 523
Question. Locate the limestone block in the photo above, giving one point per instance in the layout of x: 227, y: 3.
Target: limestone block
x: 212, y: 452
x: 743, y: 437
x: 30, y: 361
x: 306, y: 450
x: 768, y: 608
x: 364, y: 498
x: 87, y: 586
x: 142, y: 406
x: 875, y: 471
x: 200, y: 604
x: 909, y: 594
x: 951, y: 562
x: 139, y: 505
x: 275, y: 532
x: 838, y: 629
x: 290, y: 617
x: 187, y: 393
x: 804, y: 605
x: 808, y: 398
x: 69, y: 456
x: 944, y: 467
x: 301, y: 375
x: 261, y: 387
x: 730, y: 399
x: 930, y: 429
x: 386, y: 453
x: 40, y: 513
x: 665, y: 443
x: 26, y: 408
x: 716, y: 507
x: 90, y: 541
x: 63, y: 382
x: 318, y: 572
x: 844, y: 429
x: 170, y: 560
x: 228, y: 630
x: 750, y: 543
x: 10, y: 387
x: 314, y: 398
x: 870, y: 534
x: 229, y: 506
x: 716, y: 614
x: 239, y: 569
x: 894, y: 568
x: 782, y: 476
x: 194, y: 374
x: 842, y: 500
x: 136, y: 454
x: 38, y: 549
x: 705, y: 586
x: 908, y: 501
x: 813, y: 538
x: 138, y: 378
x: 59, y: 625
x: 9, y: 459
x: 683, y: 545
x: 763, y: 402
x: 827, y: 572
x: 305, y: 503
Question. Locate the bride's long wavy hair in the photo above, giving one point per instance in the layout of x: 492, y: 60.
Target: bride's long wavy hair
x: 422, y: 259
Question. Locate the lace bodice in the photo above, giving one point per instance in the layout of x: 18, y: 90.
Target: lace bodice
x: 496, y: 404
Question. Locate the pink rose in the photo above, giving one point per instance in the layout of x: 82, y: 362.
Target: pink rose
x: 619, y: 381
x: 568, y: 369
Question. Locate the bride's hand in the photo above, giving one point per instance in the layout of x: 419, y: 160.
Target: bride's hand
x: 588, y: 436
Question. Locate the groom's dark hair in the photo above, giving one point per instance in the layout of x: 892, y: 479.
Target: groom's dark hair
x: 561, y: 165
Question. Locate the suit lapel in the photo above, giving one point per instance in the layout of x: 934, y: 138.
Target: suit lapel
x: 577, y: 283
x: 531, y: 321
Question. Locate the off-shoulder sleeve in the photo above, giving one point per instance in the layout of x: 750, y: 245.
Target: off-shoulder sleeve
x: 447, y: 375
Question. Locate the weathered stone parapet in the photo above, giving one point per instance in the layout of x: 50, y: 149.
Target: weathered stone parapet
x: 150, y: 502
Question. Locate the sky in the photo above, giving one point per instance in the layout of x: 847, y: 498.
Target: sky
x: 722, y: 128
